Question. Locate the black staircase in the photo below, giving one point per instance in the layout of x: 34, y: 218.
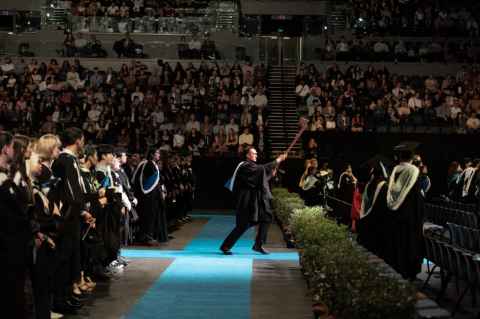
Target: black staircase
x: 283, y: 118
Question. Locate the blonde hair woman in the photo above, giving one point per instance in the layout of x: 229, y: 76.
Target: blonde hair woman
x: 48, y: 148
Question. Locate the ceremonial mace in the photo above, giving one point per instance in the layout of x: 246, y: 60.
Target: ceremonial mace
x: 303, y: 126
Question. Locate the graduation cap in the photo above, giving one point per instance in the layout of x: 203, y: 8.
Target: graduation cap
x: 407, y: 146
x: 406, y: 149
x: 380, y: 165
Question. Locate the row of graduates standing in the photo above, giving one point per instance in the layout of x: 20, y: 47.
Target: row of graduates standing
x: 58, y: 223
x: 164, y: 185
x: 64, y: 217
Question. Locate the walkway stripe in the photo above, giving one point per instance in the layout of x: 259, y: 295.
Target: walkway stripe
x: 202, y: 283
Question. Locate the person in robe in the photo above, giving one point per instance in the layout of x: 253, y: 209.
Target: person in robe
x: 250, y: 184
x: 471, y: 186
x: 405, y: 215
x: 128, y: 197
x: 109, y: 217
x: 146, y: 178
x: 465, y: 180
x: 371, y: 225
x: 15, y: 231
x: 453, y: 178
x: 347, y: 183
x: 45, y: 221
x: 188, y: 182
x: 424, y: 179
x: 310, y: 183
x: 71, y: 196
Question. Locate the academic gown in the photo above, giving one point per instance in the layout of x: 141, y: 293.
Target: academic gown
x: 109, y: 216
x: 15, y: 240
x: 405, y: 246
x: 147, y: 189
x: 41, y: 271
x: 131, y: 215
x: 93, y: 249
x: 372, y: 229
x: 311, y: 196
x: 474, y: 189
x: 253, y: 193
x: 346, y: 188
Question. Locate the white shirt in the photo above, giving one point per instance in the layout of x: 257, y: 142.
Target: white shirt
x: 158, y: 117
x: 8, y: 67
x: 415, y: 103
x: 233, y: 126
x: 178, y: 140
x: 260, y: 100
x: 302, y: 90
x: 94, y: 115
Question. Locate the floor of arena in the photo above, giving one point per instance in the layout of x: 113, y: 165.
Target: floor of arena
x: 190, y: 278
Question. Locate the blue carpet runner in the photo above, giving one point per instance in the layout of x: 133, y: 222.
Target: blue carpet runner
x: 202, y: 283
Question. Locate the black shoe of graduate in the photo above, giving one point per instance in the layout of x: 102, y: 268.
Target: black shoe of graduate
x: 261, y: 250
x: 226, y: 251
x: 65, y: 309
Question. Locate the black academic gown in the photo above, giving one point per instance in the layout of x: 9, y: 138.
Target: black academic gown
x: 312, y: 196
x: 405, y: 246
x: 253, y: 193
x: 41, y: 271
x: 71, y: 192
x: 371, y: 228
x: 15, y: 239
x: 474, y: 189
x: 152, y: 217
x: 109, y: 216
x: 346, y: 188
x: 127, y: 218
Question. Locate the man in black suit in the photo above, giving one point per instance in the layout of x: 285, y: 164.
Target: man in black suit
x: 250, y: 185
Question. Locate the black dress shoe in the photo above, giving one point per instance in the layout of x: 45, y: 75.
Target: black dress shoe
x: 260, y: 250
x: 79, y: 298
x: 226, y: 251
x: 64, y: 308
x: 74, y: 303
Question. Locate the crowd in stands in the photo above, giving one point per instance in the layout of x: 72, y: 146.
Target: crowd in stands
x: 384, y: 49
x: 133, y: 8
x: 415, y: 17
x: 67, y: 208
x: 206, y: 110
x: 140, y: 16
x: 368, y: 99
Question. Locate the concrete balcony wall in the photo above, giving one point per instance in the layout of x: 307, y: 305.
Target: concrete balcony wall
x: 46, y: 43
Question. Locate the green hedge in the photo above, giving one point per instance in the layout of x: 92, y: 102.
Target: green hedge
x: 345, y: 280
